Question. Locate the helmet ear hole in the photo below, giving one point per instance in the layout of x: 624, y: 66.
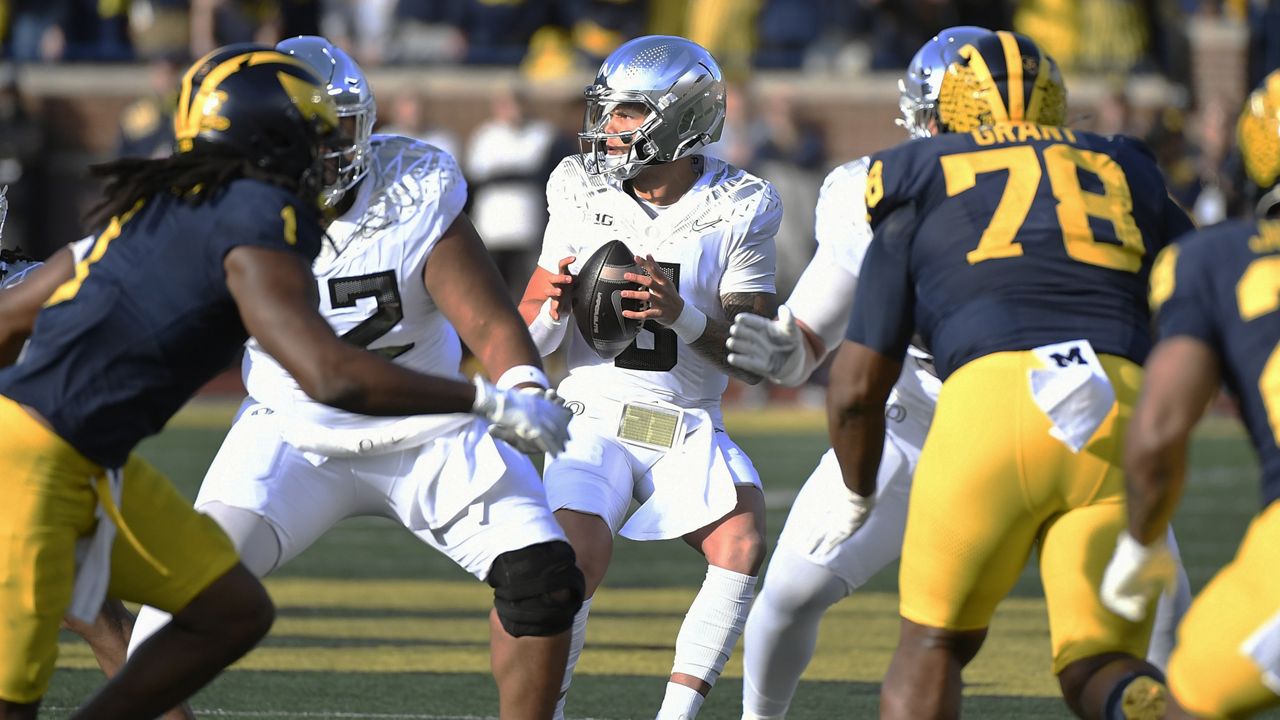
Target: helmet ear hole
x: 686, y: 123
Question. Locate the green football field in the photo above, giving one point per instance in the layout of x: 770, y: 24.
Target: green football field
x: 372, y: 625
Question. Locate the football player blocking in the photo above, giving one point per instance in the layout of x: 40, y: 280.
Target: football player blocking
x: 1216, y: 307
x: 808, y: 573
x: 1038, y: 325
x: 703, y: 234
x: 202, y: 249
x: 291, y: 468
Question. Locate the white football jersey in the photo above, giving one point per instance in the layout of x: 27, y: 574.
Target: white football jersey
x: 715, y: 240
x: 823, y: 298
x: 370, y: 278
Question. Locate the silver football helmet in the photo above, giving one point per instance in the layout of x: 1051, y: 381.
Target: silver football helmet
x: 350, y: 91
x: 682, y: 89
x: 918, y: 90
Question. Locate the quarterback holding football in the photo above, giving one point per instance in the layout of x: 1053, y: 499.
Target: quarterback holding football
x: 648, y: 424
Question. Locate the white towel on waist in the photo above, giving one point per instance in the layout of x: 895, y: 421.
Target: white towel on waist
x: 405, y: 434
x: 692, y: 486
x: 93, y: 558
x: 1073, y: 391
x: 1263, y: 647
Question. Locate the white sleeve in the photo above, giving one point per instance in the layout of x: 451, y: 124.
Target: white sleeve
x: 80, y: 248
x: 753, y: 260
x: 563, y: 216
x: 823, y: 298
x: 840, y: 219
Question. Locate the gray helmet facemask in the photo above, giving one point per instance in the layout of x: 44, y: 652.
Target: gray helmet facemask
x: 918, y: 89
x: 680, y: 86
x: 352, y: 94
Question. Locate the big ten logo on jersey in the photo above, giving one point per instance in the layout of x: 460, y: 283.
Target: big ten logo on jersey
x: 603, y: 219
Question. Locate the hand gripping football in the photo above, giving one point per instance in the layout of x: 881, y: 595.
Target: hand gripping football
x: 598, y: 301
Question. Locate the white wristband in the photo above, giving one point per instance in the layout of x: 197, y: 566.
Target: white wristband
x: 522, y: 374
x: 690, y: 325
x: 547, y: 334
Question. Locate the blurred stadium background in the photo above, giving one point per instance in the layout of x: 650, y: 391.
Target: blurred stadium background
x: 372, y: 625
x: 498, y: 82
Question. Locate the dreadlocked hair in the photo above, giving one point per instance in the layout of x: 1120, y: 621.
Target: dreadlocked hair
x: 196, y: 177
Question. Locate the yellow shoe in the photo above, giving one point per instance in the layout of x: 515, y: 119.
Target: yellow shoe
x: 1144, y: 699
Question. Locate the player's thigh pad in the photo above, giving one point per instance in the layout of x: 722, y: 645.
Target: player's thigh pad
x: 511, y: 514
x: 537, y: 589
x: 1221, y: 666
x: 1075, y: 549
x: 183, y: 551
x: 1081, y: 495
x: 47, y: 504
x: 990, y: 476
x: 878, y: 542
x: 593, y: 475
x: 256, y: 470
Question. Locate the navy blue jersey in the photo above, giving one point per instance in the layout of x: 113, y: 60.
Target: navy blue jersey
x: 148, y: 318
x: 1222, y: 287
x: 1010, y: 238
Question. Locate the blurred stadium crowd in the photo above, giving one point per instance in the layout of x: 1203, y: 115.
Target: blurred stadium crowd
x: 548, y: 37
x: 783, y: 135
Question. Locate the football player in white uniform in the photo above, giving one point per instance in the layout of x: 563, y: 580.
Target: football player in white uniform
x: 816, y: 563
x: 14, y: 263
x: 648, y: 424
x: 406, y: 276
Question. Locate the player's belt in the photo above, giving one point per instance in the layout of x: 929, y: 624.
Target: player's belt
x: 654, y: 426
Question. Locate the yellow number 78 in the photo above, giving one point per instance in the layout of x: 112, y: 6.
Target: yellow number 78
x: 1075, y: 205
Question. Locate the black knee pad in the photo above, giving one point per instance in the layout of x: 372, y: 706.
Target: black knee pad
x: 537, y: 589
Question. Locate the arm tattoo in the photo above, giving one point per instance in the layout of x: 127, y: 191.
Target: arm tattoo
x: 710, y: 344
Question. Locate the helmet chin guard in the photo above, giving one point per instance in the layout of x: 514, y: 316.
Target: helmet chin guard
x: 679, y: 85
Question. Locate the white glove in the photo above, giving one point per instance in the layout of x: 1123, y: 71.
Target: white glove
x: 507, y: 433
x: 531, y: 420
x: 842, y: 519
x: 772, y: 348
x: 1136, y: 574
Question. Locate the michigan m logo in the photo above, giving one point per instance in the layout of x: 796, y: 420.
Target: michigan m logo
x: 1072, y: 356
